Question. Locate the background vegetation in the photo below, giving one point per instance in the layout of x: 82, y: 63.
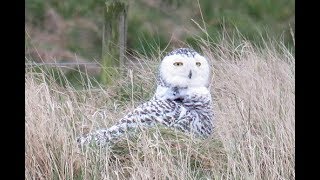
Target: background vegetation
x: 62, y: 29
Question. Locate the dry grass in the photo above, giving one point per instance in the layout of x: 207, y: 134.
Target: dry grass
x: 254, y: 102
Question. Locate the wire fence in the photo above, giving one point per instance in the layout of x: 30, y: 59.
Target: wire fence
x: 62, y: 64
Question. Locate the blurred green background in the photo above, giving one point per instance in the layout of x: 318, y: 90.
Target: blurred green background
x: 151, y: 23
x: 60, y: 30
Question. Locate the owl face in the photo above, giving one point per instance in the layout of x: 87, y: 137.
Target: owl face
x: 185, y: 68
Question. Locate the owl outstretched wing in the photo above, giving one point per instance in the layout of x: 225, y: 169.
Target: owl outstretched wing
x: 166, y: 112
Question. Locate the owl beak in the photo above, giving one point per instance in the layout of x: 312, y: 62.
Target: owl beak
x: 190, y: 74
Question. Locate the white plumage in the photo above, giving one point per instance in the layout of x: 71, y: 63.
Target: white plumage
x: 182, y: 101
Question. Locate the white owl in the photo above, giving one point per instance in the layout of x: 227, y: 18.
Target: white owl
x: 182, y: 101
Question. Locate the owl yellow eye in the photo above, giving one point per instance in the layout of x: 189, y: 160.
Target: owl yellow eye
x: 198, y: 63
x: 178, y: 63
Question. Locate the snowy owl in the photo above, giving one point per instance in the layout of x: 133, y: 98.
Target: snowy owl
x: 182, y: 101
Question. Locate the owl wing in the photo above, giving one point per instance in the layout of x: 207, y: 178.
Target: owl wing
x: 166, y: 112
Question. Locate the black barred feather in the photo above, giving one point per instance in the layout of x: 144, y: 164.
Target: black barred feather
x: 182, y: 116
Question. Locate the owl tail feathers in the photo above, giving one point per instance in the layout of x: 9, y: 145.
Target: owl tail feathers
x: 110, y: 136
x: 103, y: 137
x: 98, y: 138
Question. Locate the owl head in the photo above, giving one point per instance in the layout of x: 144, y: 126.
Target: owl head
x: 184, y: 68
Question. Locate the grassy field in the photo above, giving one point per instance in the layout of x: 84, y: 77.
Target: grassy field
x: 253, y: 91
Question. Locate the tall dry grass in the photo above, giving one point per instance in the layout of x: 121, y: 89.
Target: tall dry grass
x: 253, y: 92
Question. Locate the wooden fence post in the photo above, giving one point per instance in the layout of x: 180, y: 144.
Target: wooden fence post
x: 114, y: 39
